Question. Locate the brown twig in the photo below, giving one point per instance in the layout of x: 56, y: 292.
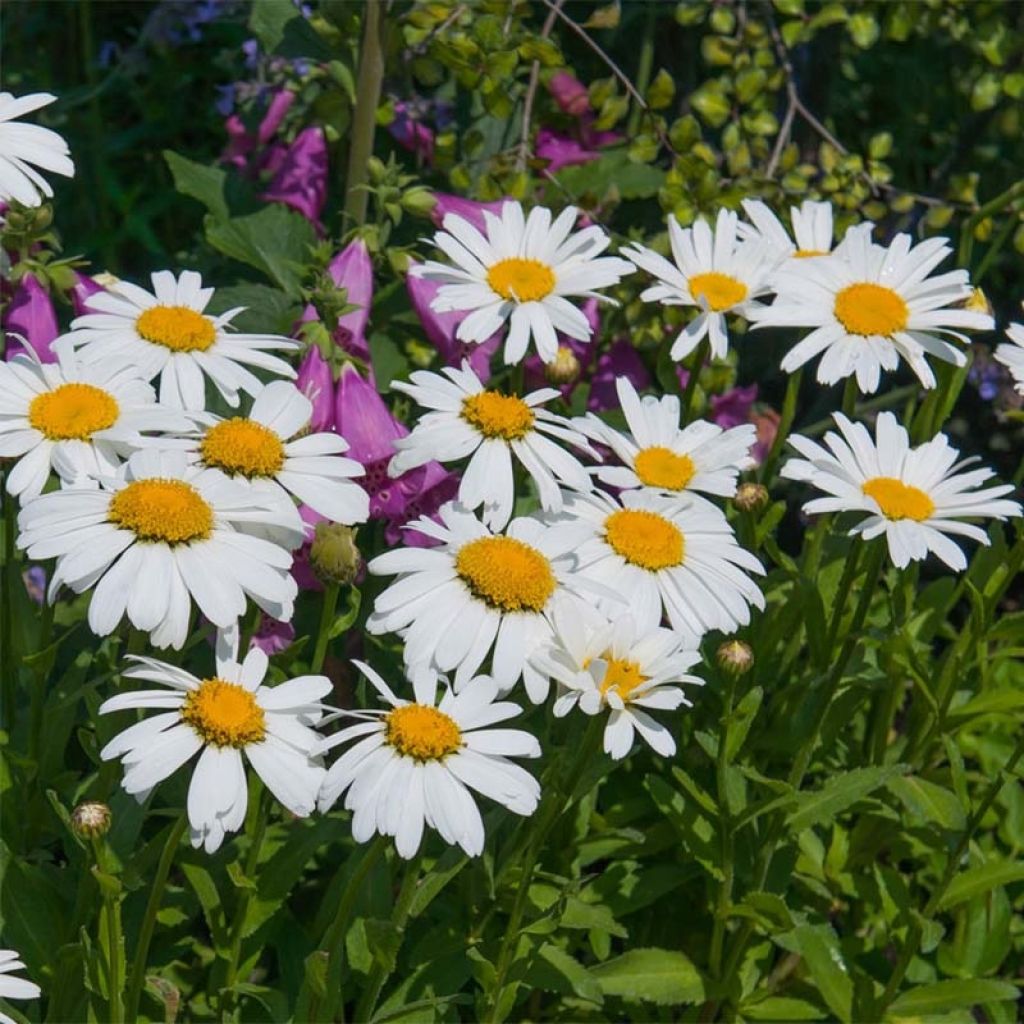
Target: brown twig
x: 531, y: 89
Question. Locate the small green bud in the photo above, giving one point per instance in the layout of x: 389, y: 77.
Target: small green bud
x: 735, y: 657
x: 564, y: 369
x: 751, y: 497
x: 333, y: 553
x: 90, y: 820
x: 420, y: 202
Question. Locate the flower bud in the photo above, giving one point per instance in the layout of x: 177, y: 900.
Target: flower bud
x: 90, y: 820
x: 735, y: 657
x: 333, y: 553
x: 564, y: 368
x: 977, y: 302
x: 751, y: 497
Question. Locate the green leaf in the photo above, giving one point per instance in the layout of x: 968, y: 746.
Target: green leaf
x: 978, y: 880
x: 660, y: 976
x: 951, y: 995
x: 284, y: 32
x: 452, y: 861
x: 928, y: 801
x: 579, y: 979
x: 781, y: 1008
x: 199, y: 181
x: 578, y: 914
x: 838, y: 793
x: 661, y: 90
x: 818, y: 945
x: 205, y: 888
x: 631, y: 180
x: 265, y: 310
x: 353, y: 599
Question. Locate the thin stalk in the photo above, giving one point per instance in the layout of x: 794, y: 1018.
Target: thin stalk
x: 850, y: 392
x: 700, y: 353
x: 789, y: 403
x: 890, y: 398
x: 643, y: 70
x: 725, y: 832
x: 843, y: 592
x: 1001, y: 201
x: 7, y: 584
x: 137, y: 974
x: 364, y: 117
x: 327, y: 610
x: 115, y: 940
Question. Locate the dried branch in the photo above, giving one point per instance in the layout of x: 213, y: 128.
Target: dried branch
x: 531, y: 89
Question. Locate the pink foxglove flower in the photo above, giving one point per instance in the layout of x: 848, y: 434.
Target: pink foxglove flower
x: 301, y: 180
x: 621, y: 360
x: 32, y: 316
x: 468, y: 209
x: 315, y: 381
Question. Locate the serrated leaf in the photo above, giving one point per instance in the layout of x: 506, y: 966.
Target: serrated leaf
x: 951, y: 995
x: 979, y: 880
x: 660, y: 976
x: 742, y: 719
x: 207, y: 184
x: 631, y: 180
x: 928, y: 801
x: 838, y: 793
x: 578, y: 977
x: 284, y: 32
x: 818, y: 945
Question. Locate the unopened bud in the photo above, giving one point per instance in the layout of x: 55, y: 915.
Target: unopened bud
x: 420, y: 201
x: 90, y: 820
x: 333, y: 553
x: 564, y: 369
x: 977, y: 302
x: 751, y: 497
x: 105, y: 279
x: 735, y: 657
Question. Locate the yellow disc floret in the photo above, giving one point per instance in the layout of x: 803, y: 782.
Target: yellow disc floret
x: 521, y: 280
x: 243, y: 447
x: 719, y: 291
x: 422, y: 732
x: 496, y: 415
x: 159, y: 509
x: 898, y: 500
x: 506, y: 574
x: 806, y: 254
x: 661, y: 467
x: 224, y: 714
x: 177, y: 327
x: 645, y: 538
x: 622, y: 676
x: 73, y: 412
x: 871, y: 309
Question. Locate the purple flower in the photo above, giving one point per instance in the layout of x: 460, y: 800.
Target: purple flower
x: 271, y: 636
x: 621, y: 360
x: 31, y: 315
x: 569, y: 93
x: 436, y: 487
x: 733, y: 407
x: 225, y: 101
x: 352, y: 269
x: 469, y: 209
x: 81, y: 290
x: 440, y: 329
x: 301, y: 180
x: 302, y: 571
x: 316, y: 383
x: 251, y: 49
x: 241, y: 142
x: 412, y: 133
x: 561, y: 151
x: 34, y: 578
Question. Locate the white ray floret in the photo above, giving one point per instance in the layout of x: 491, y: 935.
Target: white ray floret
x: 1012, y: 355
x: 157, y: 536
x: 12, y: 987
x: 221, y: 718
x: 79, y: 421
x: 492, y: 429
x: 415, y: 763
x: 712, y: 270
x: 523, y: 271
x: 660, y: 454
x: 871, y: 305
x: 812, y: 230
x: 24, y: 147
x: 168, y: 334
x: 915, y: 496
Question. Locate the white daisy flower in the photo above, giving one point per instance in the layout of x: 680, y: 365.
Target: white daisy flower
x: 167, y: 335
x: 615, y: 667
x: 523, y: 270
x: 915, y: 496
x: 474, y: 591
x: 158, y: 535
x: 415, y: 763
x: 77, y: 420
x: 492, y: 428
x: 812, y: 229
x: 1012, y: 355
x: 664, y: 555
x: 870, y: 305
x: 224, y: 716
x: 659, y: 454
x: 25, y: 145
x: 268, y: 449
x: 11, y: 987
x: 713, y: 271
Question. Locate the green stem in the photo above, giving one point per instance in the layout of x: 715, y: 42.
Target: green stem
x: 1001, y: 201
x: 115, y: 941
x: 327, y: 610
x: 700, y: 353
x: 364, y: 117
x: 843, y: 592
x: 725, y: 832
x: 850, y: 392
x: 789, y: 403
x: 643, y: 70
x: 8, y: 579
x: 137, y: 975
x: 890, y: 398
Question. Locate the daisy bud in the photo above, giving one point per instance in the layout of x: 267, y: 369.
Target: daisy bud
x: 90, y: 820
x: 333, y: 553
x: 564, y: 369
x: 751, y: 497
x: 978, y: 302
x: 735, y: 657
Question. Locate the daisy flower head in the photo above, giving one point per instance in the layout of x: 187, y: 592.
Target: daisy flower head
x: 158, y: 535
x: 474, y: 591
x: 601, y: 666
x: 414, y: 764
x: 23, y: 147
x: 658, y: 453
x: 221, y: 718
x: 522, y: 270
x: 492, y: 429
x: 167, y: 334
x: 812, y: 229
x: 869, y: 305
x: 712, y: 270
x: 664, y: 556
x: 269, y: 450
x: 77, y: 420
x: 1012, y: 355
x: 915, y: 496
x: 12, y: 987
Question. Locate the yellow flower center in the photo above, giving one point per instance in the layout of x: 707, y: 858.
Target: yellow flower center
x: 224, y: 714
x: 177, y: 327
x: 73, y: 411
x: 868, y: 309
x: 623, y: 676
x: 661, y: 467
x: 521, y: 280
x: 158, y: 509
x: 719, y: 291
x: 506, y: 573
x: 898, y: 500
x: 422, y: 732
x: 805, y: 254
x: 496, y: 415
x: 241, y: 446
x: 645, y: 538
